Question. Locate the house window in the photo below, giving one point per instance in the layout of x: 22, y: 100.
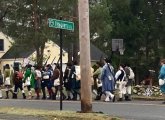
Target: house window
x: 1, y: 45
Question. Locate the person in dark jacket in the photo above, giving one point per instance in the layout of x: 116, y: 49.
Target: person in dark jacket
x: 46, y: 82
x: 17, y: 80
x: 121, y: 82
x: 75, y: 83
x: 56, y: 80
x: 67, y: 81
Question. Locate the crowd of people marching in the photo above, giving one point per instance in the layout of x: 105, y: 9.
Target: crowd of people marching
x: 44, y: 82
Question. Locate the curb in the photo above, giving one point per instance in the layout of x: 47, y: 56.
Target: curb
x: 147, y: 98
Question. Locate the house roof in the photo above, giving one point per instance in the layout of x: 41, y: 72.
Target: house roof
x: 96, y: 53
x: 17, y: 52
x: 24, y: 52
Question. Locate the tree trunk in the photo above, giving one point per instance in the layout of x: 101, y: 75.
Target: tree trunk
x: 147, y: 47
x: 75, y: 52
x: 76, y: 43
x: 70, y: 52
x: 38, y: 41
x: 157, y: 61
x: 40, y: 52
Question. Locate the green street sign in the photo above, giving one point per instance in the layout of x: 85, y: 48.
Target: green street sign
x: 54, y: 23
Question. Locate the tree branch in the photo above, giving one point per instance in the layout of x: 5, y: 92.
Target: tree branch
x: 1, y: 17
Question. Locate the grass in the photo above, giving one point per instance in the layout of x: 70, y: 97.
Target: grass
x: 54, y: 115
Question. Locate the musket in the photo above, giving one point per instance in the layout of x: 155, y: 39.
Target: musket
x: 46, y: 61
x: 58, y: 60
x: 53, y: 60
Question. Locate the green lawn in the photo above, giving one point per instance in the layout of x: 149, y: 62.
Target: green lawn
x: 53, y: 115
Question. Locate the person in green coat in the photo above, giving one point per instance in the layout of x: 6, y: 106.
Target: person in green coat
x: 29, y: 80
x: 97, y: 87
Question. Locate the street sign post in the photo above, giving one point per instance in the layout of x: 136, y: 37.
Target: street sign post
x: 54, y: 23
x: 62, y: 25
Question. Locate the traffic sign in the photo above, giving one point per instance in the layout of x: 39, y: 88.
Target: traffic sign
x: 54, y: 23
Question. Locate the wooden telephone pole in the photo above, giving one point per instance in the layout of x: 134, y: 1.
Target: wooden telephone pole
x: 85, y: 61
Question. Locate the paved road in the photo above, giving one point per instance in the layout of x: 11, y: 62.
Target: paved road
x: 133, y: 110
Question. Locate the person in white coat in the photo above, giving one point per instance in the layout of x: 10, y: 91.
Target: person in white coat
x: 130, y: 76
x: 120, y: 82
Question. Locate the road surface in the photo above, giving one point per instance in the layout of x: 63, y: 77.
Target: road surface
x: 133, y: 110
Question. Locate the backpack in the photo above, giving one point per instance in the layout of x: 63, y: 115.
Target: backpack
x: 132, y: 75
x: 1, y: 79
x: 19, y: 75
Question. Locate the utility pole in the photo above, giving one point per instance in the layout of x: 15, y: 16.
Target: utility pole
x: 85, y: 61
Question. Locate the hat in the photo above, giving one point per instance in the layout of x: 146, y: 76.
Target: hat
x: 48, y: 65
x: 107, y: 60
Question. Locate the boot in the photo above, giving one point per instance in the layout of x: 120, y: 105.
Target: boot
x: 120, y: 99
x: 129, y: 97
x: 44, y: 97
x: 50, y: 91
x: 44, y: 94
x: 74, y: 96
x: 50, y: 96
x: 7, y: 94
x: 38, y: 94
x: 54, y: 96
x: 24, y: 96
x: 63, y: 96
x: 69, y: 98
x: 98, y: 97
x: 14, y: 96
x: 126, y: 97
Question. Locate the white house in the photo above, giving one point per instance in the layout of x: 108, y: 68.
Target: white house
x: 28, y: 55
x: 9, y: 53
x: 52, y: 53
x: 5, y: 44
